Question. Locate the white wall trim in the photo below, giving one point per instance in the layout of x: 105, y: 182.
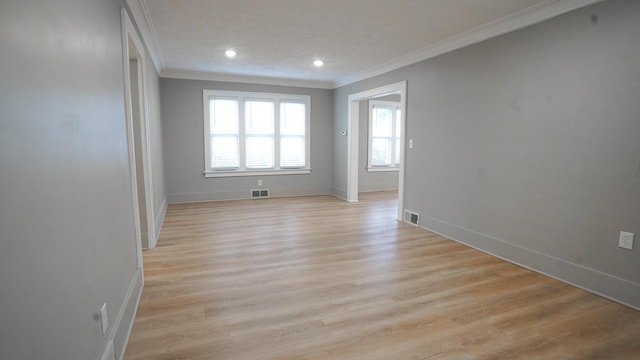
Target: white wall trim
x: 131, y: 300
x: 160, y: 218
x: 217, y: 174
x: 109, y: 352
x: 353, y: 123
x: 378, y: 187
x: 127, y: 30
x: 146, y: 150
x: 182, y: 198
x: 142, y: 19
x: 526, y: 17
x: 260, y: 80
x: 340, y: 193
x: 606, y: 285
x: 382, y: 169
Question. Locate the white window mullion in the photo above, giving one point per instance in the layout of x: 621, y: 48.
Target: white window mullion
x: 397, y: 126
x: 242, y: 135
x: 307, y: 133
x: 207, y: 131
x: 276, y: 134
x: 370, y: 142
x: 392, y: 161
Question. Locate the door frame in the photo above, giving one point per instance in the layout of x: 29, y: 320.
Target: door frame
x: 133, y: 48
x: 353, y: 131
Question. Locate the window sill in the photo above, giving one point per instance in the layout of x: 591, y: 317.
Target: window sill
x: 239, y: 173
x: 382, y: 169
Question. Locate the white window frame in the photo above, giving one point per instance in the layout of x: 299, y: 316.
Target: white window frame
x: 394, y: 136
x: 242, y: 169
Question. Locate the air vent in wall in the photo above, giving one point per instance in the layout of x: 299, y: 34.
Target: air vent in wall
x: 411, y: 217
x: 256, y: 194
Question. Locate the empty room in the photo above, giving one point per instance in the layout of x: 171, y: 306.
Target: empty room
x: 319, y: 179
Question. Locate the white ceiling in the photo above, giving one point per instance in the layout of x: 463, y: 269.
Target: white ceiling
x: 277, y: 40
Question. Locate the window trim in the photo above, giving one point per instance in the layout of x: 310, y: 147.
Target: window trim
x: 382, y: 168
x: 242, y: 169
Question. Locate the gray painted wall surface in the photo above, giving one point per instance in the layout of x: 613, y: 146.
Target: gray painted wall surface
x: 66, y: 215
x: 372, y: 181
x: 182, y: 117
x: 526, y: 145
x: 156, y: 151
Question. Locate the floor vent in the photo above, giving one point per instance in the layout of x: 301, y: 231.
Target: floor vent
x: 257, y: 194
x: 411, y: 217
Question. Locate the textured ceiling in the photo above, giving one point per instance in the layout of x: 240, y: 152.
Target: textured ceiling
x: 280, y: 38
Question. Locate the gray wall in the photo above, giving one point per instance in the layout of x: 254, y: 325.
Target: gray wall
x: 372, y: 181
x: 182, y: 117
x: 66, y: 214
x: 156, y: 151
x: 526, y: 145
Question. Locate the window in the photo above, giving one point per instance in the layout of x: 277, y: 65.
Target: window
x: 256, y: 133
x: 384, y: 135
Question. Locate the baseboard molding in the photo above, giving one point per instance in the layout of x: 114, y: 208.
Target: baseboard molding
x: 109, y: 352
x: 606, y: 285
x: 245, y: 194
x: 123, y: 324
x: 340, y: 193
x: 377, y: 187
x: 160, y: 219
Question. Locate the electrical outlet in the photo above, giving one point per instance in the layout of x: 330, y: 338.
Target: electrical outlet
x: 626, y: 240
x: 259, y: 182
x: 103, y: 317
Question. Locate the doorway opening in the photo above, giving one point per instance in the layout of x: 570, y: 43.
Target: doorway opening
x: 399, y: 88
x: 138, y: 137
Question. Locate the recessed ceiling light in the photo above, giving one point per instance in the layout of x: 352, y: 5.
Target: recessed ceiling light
x: 318, y: 63
x: 230, y: 53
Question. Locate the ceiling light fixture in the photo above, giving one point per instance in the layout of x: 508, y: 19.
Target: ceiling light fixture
x: 318, y: 63
x: 230, y: 53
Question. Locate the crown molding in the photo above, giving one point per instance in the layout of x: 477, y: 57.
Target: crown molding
x: 142, y: 19
x: 247, y: 79
x: 518, y: 20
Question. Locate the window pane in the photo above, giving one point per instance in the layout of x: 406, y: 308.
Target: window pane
x: 382, y: 122
x: 224, y: 151
x: 223, y: 131
x: 259, y: 152
x: 398, y: 123
x: 292, y: 151
x: 292, y: 134
x: 397, y: 142
x: 223, y: 116
x: 259, y: 117
x: 292, y: 118
x: 381, y: 152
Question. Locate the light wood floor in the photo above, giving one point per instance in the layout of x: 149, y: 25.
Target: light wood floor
x: 320, y: 278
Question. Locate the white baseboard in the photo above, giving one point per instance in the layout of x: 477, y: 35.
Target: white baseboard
x: 378, y: 187
x: 244, y: 194
x: 160, y: 219
x: 340, y: 193
x: 606, y: 285
x: 123, y: 324
x: 109, y: 352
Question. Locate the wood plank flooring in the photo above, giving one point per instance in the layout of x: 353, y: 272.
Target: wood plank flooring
x: 320, y: 278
